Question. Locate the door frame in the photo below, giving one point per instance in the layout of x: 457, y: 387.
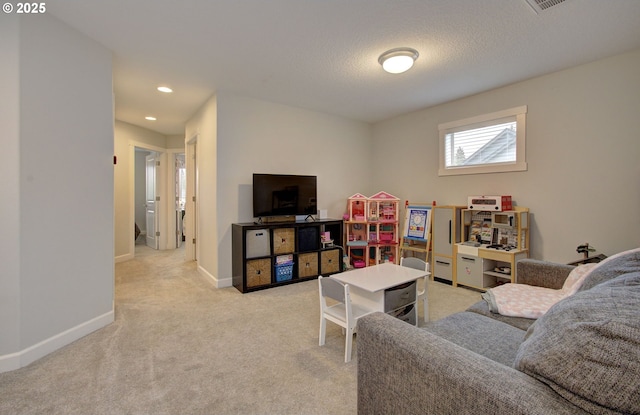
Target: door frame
x: 161, y: 210
x: 192, y: 249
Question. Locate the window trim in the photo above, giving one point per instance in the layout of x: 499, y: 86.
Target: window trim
x: 520, y: 164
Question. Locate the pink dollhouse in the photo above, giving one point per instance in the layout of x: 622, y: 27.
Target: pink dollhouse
x: 371, y: 225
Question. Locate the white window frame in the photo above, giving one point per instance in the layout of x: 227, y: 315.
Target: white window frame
x: 517, y: 113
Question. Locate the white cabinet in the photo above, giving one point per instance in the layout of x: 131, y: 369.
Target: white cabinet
x: 470, y: 271
x: 443, y: 267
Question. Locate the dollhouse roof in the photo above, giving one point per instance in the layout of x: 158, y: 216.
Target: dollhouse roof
x: 358, y: 196
x: 384, y: 196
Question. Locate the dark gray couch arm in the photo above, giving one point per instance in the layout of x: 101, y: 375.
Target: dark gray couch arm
x: 542, y: 273
x: 405, y: 370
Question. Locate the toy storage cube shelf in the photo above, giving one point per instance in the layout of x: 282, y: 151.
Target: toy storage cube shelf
x: 372, y: 229
x: 274, y: 254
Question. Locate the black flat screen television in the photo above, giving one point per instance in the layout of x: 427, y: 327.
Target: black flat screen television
x: 284, y: 195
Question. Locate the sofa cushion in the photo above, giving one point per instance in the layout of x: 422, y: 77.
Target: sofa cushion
x: 613, y: 266
x: 587, y: 347
x: 482, y: 335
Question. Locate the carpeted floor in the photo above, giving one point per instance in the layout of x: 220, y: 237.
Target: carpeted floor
x: 181, y: 346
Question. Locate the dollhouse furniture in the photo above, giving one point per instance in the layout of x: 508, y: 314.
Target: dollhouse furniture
x: 372, y: 229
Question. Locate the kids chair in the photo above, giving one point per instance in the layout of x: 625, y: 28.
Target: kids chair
x: 343, y: 313
x: 417, y: 263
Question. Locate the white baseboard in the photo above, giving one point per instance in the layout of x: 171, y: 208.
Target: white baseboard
x: 125, y: 257
x: 225, y: 282
x: 218, y: 283
x: 29, y: 355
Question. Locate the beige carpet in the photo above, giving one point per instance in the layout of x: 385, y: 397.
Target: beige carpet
x: 181, y: 346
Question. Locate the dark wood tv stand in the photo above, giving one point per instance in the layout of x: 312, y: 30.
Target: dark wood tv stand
x: 260, y: 249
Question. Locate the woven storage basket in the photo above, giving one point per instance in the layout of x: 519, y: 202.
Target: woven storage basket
x: 329, y: 262
x: 258, y: 272
x: 283, y: 241
x: 308, y: 265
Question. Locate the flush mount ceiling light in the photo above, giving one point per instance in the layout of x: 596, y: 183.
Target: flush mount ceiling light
x: 150, y: 118
x: 165, y: 89
x: 398, y: 60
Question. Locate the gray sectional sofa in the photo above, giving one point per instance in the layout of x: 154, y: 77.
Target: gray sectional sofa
x: 581, y: 357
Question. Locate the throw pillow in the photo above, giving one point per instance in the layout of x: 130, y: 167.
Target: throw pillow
x: 611, y: 267
x: 587, y: 347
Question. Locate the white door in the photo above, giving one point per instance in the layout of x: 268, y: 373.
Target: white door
x: 150, y: 201
x: 181, y: 196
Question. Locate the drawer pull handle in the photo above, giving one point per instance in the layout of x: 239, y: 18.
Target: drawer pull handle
x: 442, y: 263
x: 468, y: 259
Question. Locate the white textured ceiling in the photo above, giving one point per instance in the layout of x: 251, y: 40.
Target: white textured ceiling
x: 322, y: 55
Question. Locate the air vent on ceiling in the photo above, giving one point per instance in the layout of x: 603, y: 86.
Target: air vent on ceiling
x: 541, y: 5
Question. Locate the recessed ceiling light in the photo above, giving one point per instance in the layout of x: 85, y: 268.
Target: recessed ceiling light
x: 398, y: 60
x: 165, y: 89
x: 150, y: 118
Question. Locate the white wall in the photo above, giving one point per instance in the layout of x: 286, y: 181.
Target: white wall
x: 583, y: 147
x: 239, y: 136
x: 10, y: 187
x: 260, y: 137
x: 203, y: 128
x: 60, y: 283
x: 175, y: 142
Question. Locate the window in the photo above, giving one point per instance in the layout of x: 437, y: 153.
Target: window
x: 489, y: 143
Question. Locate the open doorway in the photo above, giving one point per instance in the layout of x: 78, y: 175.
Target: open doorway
x: 160, y: 197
